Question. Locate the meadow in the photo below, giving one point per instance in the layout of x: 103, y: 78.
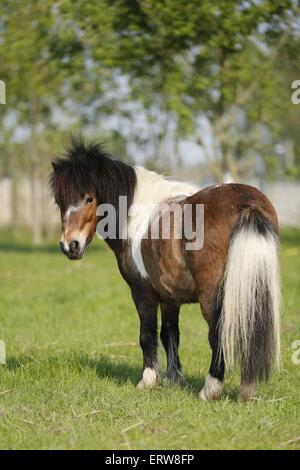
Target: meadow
x: 73, y: 362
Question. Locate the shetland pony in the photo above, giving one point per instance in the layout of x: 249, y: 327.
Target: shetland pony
x: 233, y: 275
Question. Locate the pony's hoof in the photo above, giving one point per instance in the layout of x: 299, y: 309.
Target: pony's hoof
x: 150, y: 378
x: 177, y: 379
x: 180, y: 380
x: 141, y: 384
x: 212, y: 389
x: 247, y: 391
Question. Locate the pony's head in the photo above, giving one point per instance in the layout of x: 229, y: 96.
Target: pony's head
x: 82, y: 179
x: 75, y: 189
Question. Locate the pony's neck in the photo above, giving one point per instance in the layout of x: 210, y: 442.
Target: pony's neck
x: 117, y: 180
x: 144, y: 191
x: 152, y: 190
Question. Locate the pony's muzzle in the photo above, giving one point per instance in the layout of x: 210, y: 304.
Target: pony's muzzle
x: 72, y: 250
x: 74, y: 247
x: 62, y: 247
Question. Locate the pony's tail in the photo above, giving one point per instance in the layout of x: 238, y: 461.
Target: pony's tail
x: 250, y: 321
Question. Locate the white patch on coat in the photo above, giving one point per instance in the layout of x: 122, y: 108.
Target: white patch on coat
x: 81, y: 238
x: 149, y: 379
x: 78, y: 236
x: 212, y: 389
x: 65, y: 243
x: 215, y: 186
x: 71, y: 210
x: 151, y: 190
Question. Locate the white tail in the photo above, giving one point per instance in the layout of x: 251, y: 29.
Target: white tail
x: 250, y: 318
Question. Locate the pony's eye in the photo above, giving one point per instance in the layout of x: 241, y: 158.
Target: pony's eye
x: 89, y: 200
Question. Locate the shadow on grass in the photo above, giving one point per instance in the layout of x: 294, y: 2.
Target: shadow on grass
x: 123, y: 372
x: 194, y: 383
x: 104, y: 367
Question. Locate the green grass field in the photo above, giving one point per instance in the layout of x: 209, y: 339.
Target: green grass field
x: 73, y: 361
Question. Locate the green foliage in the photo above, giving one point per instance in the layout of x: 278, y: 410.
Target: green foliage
x: 181, y: 58
x: 37, y: 55
x: 191, y: 48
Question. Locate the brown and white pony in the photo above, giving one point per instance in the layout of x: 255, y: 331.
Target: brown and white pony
x: 234, y: 276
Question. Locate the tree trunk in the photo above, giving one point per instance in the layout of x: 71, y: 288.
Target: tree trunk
x: 14, y: 204
x: 36, y: 225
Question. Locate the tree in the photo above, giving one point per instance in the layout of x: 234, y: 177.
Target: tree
x: 35, y: 62
x: 203, y: 56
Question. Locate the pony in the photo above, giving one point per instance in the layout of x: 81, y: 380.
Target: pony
x: 233, y: 273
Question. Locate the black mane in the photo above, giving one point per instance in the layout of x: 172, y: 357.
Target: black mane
x: 86, y: 168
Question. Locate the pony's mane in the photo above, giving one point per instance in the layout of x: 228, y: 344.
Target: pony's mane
x: 86, y: 167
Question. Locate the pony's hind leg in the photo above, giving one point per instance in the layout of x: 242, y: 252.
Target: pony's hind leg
x: 169, y: 336
x: 213, y: 386
x: 146, y: 306
x: 248, y: 370
x: 247, y: 390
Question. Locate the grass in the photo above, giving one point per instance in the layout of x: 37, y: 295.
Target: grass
x: 73, y: 361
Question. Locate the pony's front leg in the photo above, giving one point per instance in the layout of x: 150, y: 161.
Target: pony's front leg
x: 146, y: 305
x: 169, y: 336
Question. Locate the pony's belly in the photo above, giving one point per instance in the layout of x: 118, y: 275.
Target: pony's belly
x: 179, y: 288
x: 167, y: 271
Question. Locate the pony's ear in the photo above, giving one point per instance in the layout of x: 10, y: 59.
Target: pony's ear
x: 54, y: 165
